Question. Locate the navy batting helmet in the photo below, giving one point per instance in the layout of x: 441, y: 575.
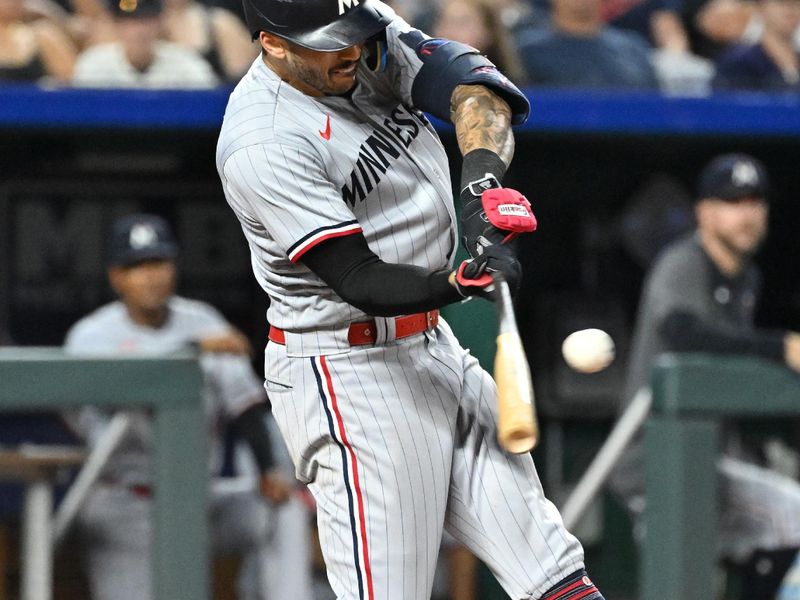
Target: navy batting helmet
x: 326, y: 25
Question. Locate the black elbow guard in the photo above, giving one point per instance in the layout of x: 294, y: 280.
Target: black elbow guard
x: 448, y: 64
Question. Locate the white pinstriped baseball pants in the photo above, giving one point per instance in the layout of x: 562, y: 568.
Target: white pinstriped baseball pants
x: 760, y: 509
x: 116, y: 534
x: 396, y: 441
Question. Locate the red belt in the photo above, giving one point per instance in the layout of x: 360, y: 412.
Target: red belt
x: 137, y: 489
x: 143, y: 491
x: 365, y: 333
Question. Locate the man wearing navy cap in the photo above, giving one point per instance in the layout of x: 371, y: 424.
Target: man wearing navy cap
x: 700, y: 296
x: 151, y: 319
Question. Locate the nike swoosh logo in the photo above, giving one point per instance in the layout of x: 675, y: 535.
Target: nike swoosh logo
x: 326, y: 135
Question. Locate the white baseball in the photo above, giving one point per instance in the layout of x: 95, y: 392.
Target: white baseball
x: 588, y: 350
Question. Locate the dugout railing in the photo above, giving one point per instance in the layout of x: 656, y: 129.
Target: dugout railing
x: 170, y: 387
x: 692, y: 395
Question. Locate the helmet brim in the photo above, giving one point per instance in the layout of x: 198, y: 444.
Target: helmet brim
x: 357, y: 25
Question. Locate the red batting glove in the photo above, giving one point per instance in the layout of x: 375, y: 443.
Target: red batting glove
x: 471, y: 279
x: 508, y: 210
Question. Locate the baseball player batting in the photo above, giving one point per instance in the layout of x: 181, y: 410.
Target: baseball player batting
x: 343, y: 192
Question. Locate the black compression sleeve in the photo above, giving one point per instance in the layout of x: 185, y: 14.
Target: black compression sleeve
x: 477, y: 163
x: 684, y: 332
x: 251, y: 426
x: 381, y: 289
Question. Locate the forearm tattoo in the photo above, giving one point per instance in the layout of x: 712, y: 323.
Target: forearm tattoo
x: 482, y: 120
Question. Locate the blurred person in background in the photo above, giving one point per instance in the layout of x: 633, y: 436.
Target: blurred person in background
x: 456, y: 576
x: 140, y: 58
x: 659, y: 21
x: 90, y: 22
x: 36, y: 51
x: 578, y: 50
x: 409, y: 10
x: 86, y: 22
x: 514, y: 15
x: 149, y: 318
x: 679, y: 71
x: 520, y: 14
x: 700, y: 296
x: 773, y: 62
x: 478, y: 23
x: 722, y: 23
x: 216, y: 34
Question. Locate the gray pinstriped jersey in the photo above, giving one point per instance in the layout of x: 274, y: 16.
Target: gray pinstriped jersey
x: 231, y: 385
x: 298, y: 170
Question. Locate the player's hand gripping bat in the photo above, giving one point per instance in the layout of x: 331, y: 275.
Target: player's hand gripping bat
x: 517, y: 426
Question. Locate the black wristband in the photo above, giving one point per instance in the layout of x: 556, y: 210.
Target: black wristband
x: 477, y: 163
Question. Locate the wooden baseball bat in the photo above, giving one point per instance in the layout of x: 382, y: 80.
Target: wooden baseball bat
x: 517, y: 426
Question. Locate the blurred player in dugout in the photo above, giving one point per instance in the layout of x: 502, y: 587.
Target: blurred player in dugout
x: 700, y: 296
x: 114, y: 522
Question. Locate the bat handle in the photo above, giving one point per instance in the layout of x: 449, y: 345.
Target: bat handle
x: 501, y: 294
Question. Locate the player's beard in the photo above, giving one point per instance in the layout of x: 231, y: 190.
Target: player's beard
x: 744, y: 241
x: 322, y: 81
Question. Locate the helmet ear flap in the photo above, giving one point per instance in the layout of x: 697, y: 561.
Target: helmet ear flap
x: 376, y: 53
x: 253, y: 18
